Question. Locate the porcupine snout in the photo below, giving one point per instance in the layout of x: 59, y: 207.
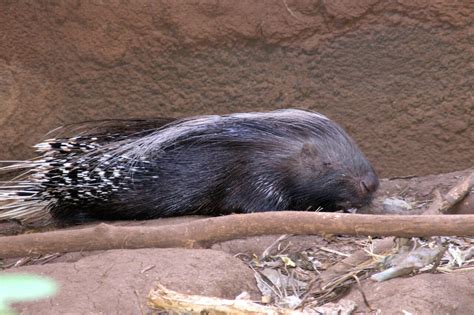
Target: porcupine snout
x: 357, y: 192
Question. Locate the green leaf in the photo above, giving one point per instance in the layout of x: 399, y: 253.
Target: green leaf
x: 23, y: 287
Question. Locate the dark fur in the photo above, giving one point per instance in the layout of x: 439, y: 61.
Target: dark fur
x: 233, y: 165
x: 241, y: 166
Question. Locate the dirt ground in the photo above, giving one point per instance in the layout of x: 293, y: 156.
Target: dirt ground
x: 118, y: 281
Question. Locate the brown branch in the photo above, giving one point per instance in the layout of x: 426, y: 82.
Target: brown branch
x: 442, y: 204
x: 211, y: 230
x: 162, y: 298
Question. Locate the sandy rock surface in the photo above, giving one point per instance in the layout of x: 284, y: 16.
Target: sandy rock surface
x: 396, y: 74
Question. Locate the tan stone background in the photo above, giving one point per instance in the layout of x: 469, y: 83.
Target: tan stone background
x: 397, y: 74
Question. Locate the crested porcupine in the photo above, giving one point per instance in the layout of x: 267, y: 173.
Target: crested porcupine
x: 141, y: 169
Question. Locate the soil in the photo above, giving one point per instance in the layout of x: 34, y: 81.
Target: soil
x: 396, y: 74
x: 117, y: 281
x: 421, y: 294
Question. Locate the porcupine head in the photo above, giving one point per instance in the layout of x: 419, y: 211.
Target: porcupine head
x: 330, y: 172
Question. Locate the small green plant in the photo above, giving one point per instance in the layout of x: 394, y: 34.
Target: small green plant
x: 23, y: 287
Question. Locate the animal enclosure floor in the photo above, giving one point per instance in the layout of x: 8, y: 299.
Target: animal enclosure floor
x: 118, y: 281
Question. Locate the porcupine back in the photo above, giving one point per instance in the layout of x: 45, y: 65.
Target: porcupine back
x: 281, y: 160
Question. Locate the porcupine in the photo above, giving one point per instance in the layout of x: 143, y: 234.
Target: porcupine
x: 141, y: 169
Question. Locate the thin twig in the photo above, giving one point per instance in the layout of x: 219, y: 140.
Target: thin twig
x: 333, y: 251
x: 267, y: 250
x: 364, y: 297
x: 290, y: 11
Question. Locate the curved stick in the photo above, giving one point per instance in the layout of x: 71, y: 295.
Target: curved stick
x: 211, y: 230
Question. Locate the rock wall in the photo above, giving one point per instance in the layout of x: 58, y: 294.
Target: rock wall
x: 397, y: 74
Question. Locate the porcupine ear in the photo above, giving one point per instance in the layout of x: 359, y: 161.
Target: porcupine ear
x: 309, y: 161
x: 308, y: 154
